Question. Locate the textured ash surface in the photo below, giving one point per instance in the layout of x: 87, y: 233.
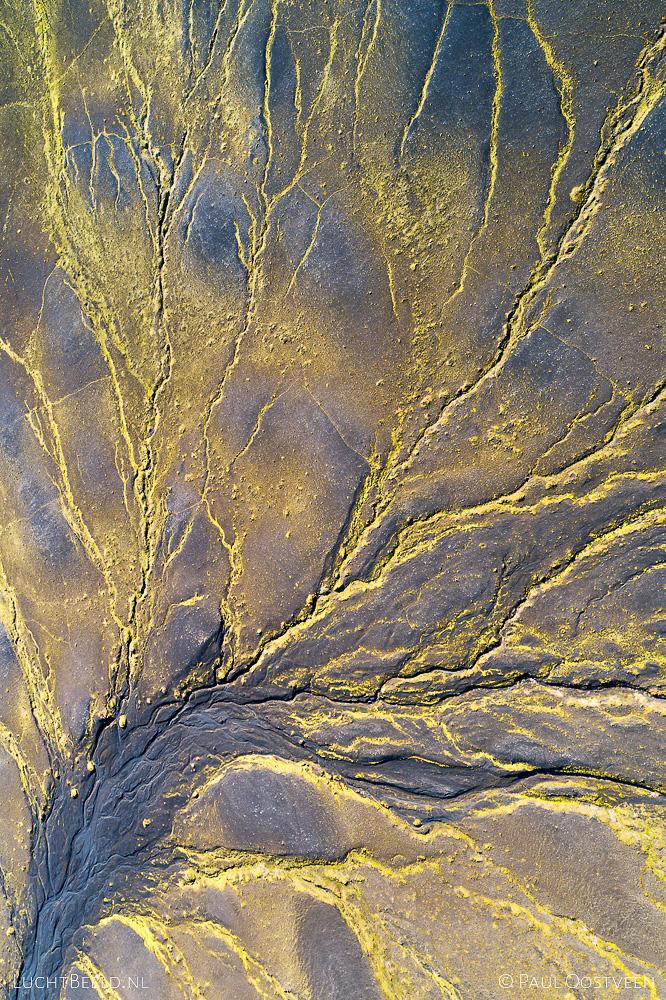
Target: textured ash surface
x: 332, y: 484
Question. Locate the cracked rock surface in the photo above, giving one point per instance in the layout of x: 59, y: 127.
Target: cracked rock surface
x: 332, y: 499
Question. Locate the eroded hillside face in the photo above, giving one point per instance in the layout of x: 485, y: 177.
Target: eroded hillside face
x: 332, y: 481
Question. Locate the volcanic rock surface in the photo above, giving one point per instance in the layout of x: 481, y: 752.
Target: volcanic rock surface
x: 332, y: 485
